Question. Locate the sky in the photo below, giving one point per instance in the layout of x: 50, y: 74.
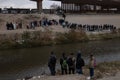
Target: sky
x: 25, y: 3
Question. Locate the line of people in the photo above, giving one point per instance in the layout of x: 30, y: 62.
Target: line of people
x: 13, y: 26
x: 44, y: 22
x: 87, y: 27
x: 71, y: 64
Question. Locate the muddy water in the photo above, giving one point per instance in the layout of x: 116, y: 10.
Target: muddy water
x: 20, y: 63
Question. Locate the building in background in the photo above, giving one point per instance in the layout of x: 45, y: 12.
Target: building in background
x: 79, y: 6
x: 73, y: 6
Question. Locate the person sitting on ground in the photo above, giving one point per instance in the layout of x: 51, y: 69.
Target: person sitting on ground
x: 61, y: 21
x: 63, y: 24
x: 63, y: 63
x: 71, y: 63
x: 52, y: 63
x: 79, y: 63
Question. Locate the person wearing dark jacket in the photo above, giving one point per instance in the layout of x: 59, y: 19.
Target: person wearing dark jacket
x: 11, y: 26
x: 71, y: 63
x: 7, y: 25
x: 52, y: 63
x: 79, y: 63
x: 64, y: 16
x: 63, y: 63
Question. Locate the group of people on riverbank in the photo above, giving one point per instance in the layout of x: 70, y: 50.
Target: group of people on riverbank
x: 44, y: 22
x: 71, y: 64
x: 85, y: 27
x: 13, y: 26
x: 88, y: 27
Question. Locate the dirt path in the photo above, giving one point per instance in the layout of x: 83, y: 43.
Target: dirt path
x: 116, y: 77
x: 64, y: 77
x: 73, y: 77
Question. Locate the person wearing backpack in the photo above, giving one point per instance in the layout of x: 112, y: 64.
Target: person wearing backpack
x: 52, y: 63
x: 79, y: 63
x: 71, y: 63
x: 63, y: 63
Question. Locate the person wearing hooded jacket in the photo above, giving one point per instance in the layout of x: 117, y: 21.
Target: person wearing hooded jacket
x: 71, y: 63
x: 52, y: 63
x: 63, y: 63
x: 79, y: 63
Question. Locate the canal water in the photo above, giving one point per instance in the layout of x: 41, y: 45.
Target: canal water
x: 19, y: 63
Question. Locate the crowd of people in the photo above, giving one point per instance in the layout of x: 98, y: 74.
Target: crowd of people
x: 71, y: 64
x: 44, y: 22
x: 87, y: 27
x: 13, y: 26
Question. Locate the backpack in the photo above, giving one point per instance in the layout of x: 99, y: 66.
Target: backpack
x: 70, y: 62
x: 80, y: 63
x: 64, y: 64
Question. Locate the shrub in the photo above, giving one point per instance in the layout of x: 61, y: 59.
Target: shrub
x: 71, y: 36
x: 26, y: 36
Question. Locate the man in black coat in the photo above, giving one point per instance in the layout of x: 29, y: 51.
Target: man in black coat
x: 63, y: 63
x: 71, y: 64
x: 52, y: 63
x: 79, y: 63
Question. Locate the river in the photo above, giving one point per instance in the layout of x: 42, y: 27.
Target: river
x: 19, y: 63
